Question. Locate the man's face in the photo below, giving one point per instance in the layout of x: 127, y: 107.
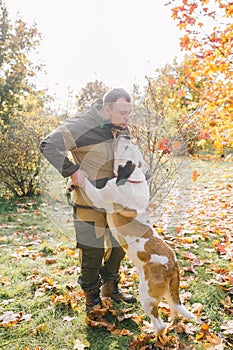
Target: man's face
x: 120, y: 113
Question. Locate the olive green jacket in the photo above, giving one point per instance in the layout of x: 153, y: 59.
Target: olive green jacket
x: 90, y: 141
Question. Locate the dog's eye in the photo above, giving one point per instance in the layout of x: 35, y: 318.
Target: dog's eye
x: 139, y: 164
x: 126, y: 148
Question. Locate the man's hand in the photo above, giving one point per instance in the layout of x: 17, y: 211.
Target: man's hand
x: 124, y: 172
x: 78, y: 178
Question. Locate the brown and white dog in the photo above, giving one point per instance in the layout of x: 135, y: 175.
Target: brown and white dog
x: 126, y: 201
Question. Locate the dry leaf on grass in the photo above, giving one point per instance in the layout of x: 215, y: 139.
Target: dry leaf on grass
x: 10, y: 318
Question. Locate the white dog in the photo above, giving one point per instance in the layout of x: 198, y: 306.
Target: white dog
x: 126, y: 200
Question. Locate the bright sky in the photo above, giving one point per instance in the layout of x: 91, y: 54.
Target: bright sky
x: 118, y: 42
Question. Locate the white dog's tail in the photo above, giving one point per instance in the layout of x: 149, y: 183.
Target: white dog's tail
x: 173, y: 299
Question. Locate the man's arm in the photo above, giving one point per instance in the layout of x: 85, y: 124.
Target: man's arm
x: 54, y: 148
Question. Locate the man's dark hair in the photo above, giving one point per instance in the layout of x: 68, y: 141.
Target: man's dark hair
x: 113, y: 95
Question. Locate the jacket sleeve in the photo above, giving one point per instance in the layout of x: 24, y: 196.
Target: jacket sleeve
x: 55, y: 148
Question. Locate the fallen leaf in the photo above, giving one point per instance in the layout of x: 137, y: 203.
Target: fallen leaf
x: 141, y: 342
x: 99, y: 323
x: 227, y: 327
x: 197, y: 308
x: 71, y: 251
x: 138, y: 318
x: 148, y: 327
x: 7, y: 301
x: 50, y: 261
x: 195, y: 175
x: 10, y: 318
x: 121, y: 332
x: 68, y: 318
x: 214, y: 342
x: 79, y: 346
x: 38, y: 329
x: 5, y: 280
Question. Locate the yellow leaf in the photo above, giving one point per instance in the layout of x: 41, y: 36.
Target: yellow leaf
x: 200, y: 335
x: 187, y: 240
x: 122, y: 277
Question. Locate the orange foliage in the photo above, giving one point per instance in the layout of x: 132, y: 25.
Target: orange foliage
x: 208, y: 37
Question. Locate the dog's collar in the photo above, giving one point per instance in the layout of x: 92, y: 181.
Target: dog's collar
x: 133, y: 181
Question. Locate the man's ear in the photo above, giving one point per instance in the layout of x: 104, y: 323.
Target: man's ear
x: 124, y: 172
x: 107, y: 107
x: 106, y: 111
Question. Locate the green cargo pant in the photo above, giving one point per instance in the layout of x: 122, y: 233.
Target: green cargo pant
x: 93, y: 264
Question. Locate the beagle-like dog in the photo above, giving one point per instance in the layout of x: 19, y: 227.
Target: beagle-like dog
x: 126, y: 200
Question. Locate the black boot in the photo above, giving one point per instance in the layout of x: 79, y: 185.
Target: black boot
x: 92, y: 299
x: 110, y: 289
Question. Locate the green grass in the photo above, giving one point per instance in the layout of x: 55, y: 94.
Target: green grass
x: 29, y: 237
x: 23, y: 264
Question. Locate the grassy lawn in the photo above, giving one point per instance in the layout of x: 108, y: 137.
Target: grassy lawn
x: 42, y: 306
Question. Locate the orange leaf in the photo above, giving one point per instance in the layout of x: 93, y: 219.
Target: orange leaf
x: 220, y: 248
x: 177, y: 145
x: 184, y: 42
x: 213, y: 339
x: 205, y: 327
x: 171, y: 82
x: 195, y: 175
x: 70, y: 251
x: 165, y: 146
x: 230, y: 279
x: 49, y: 261
x: 121, y: 332
x: 38, y: 329
x: 138, y: 318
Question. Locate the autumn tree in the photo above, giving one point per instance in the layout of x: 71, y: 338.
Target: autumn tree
x: 162, y: 145
x: 208, y: 37
x: 168, y: 95
x: 16, y: 43
x: 90, y: 92
x: 23, y: 121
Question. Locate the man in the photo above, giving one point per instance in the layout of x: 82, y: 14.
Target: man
x: 90, y: 139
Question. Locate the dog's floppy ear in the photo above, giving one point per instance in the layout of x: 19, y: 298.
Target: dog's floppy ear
x: 124, y: 172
